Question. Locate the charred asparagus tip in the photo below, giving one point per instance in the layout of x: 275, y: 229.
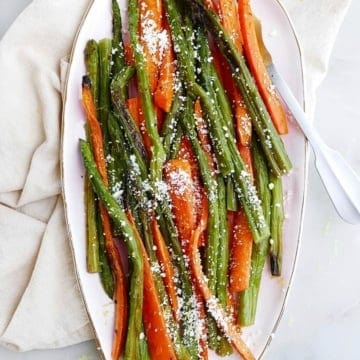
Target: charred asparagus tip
x: 86, y: 82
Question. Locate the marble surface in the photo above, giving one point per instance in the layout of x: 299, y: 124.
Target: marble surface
x: 322, y: 318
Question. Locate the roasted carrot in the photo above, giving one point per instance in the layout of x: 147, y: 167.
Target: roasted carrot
x: 95, y: 128
x: 186, y: 153
x: 201, y: 200
x: 129, y: 56
x: 120, y: 294
x: 241, y: 248
x: 120, y: 297
x: 258, y: 68
x: 164, y: 93
x: 163, y: 255
x: 151, y: 27
x: 159, y: 342
x: 245, y: 152
x: 177, y: 174
x: 134, y: 106
x: 222, y: 318
x: 230, y: 20
x: 242, y: 240
x: 181, y: 191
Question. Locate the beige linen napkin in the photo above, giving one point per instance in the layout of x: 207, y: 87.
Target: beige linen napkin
x: 40, y: 304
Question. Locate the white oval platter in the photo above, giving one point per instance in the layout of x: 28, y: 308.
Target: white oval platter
x: 281, y: 40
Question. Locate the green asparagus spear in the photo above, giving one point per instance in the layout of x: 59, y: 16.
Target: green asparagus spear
x: 120, y: 82
x: 105, y: 46
x: 137, y: 276
x: 231, y: 199
x: 180, y: 32
x: 170, y: 125
x: 248, y: 298
x: 276, y: 224
x: 215, y: 121
x: 131, y: 131
x: 223, y: 348
x: 117, y: 42
x: 93, y: 263
x: 92, y: 66
x: 106, y: 275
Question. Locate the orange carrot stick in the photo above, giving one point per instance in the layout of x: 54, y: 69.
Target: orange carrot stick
x: 120, y: 294
x: 245, y: 152
x: 159, y: 342
x: 129, y: 55
x: 209, y: 4
x: 242, y: 240
x: 177, y: 174
x: 120, y: 297
x: 241, y: 248
x: 230, y: 20
x: 163, y: 255
x: 258, y: 68
x: 201, y: 201
x: 222, y: 318
x: 134, y: 106
x: 151, y: 26
x: 181, y: 191
x: 164, y: 93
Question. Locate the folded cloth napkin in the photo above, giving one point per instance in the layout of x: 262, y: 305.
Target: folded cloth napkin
x: 40, y: 303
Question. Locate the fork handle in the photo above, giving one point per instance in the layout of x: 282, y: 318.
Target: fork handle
x: 339, y: 179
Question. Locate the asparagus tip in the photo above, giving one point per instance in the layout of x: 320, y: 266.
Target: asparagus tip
x: 275, y: 265
x: 86, y: 82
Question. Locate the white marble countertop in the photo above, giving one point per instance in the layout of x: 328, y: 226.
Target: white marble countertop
x: 322, y: 318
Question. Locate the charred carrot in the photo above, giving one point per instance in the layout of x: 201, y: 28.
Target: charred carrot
x: 258, y: 68
x: 120, y: 295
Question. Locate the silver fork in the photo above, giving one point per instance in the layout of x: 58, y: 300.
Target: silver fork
x: 339, y: 179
